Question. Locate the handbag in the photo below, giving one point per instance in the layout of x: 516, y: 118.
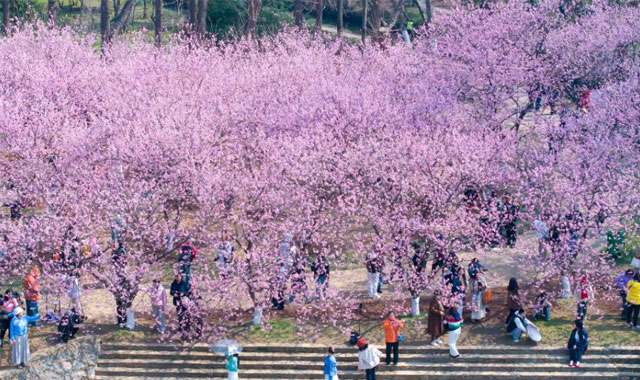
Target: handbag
x: 400, y: 338
x: 487, y: 297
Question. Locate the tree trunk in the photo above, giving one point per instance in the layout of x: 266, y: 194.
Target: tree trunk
x: 253, y: 10
x: 376, y: 20
x: 365, y: 10
x: 157, y: 23
x: 144, y: 9
x: 415, y: 306
x: 319, y: 6
x: 202, y: 17
x: 52, y: 6
x: 428, y: 11
x: 5, y: 17
x: 340, y: 18
x: 104, y: 22
x: 297, y: 13
x: 116, y: 7
x: 120, y: 20
x: 193, y: 15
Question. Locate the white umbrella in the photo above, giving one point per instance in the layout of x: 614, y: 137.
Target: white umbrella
x: 226, y: 347
x: 533, y: 331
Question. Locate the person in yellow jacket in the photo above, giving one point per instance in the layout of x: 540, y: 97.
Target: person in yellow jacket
x: 392, y: 327
x: 633, y: 299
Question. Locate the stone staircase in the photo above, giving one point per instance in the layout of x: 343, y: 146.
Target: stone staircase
x: 301, y: 362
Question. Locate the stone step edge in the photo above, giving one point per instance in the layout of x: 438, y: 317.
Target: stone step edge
x: 405, y: 345
x: 453, y: 362
x: 443, y: 352
x: 580, y: 371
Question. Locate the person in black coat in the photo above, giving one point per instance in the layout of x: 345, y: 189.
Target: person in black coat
x: 578, y: 344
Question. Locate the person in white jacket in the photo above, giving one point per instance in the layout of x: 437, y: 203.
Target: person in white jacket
x: 368, y: 359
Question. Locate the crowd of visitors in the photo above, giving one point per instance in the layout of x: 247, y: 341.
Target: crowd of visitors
x: 444, y: 313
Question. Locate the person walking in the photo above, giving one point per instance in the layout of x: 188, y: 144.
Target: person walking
x: 584, y: 296
x: 32, y: 293
x: 578, y: 343
x: 392, y: 327
x: 453, y: 322
x: 9, y: 302
x: 621, y: 284
x: 514, y: 302
x: 158, y: 304
x: 435, y: 327
x: 18, y: 335
x: 330, y: 368
x: 368, y: 359
x: 374, y: 268
x: 231, y: 364
x: 633, y: 300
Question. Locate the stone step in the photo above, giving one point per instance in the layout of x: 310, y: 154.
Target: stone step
x: 406, y: 348
x: 452, y: 365
x: 396, y: 374
x: 351, y: 357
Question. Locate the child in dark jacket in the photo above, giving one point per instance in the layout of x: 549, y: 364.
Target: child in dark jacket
x: 578, y: 344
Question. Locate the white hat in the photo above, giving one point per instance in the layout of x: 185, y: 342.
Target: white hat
x: 17, y: 310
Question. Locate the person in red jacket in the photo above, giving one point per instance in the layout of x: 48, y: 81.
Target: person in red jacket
x: 32, y: 292
x: 392, y: 327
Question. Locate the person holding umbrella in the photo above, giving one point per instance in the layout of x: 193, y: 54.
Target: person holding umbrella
x: 231, y: 364
x: 230, y: 349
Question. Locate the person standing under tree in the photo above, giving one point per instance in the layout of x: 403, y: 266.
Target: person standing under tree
x: 18, y: 335
x: 185, y: 260
x: 320, y: 268
x: 392, y: 327
x: 75, y: 293
x: 584, y: 296
x: 633, y: 299
x: 435, y: 326
x: 9, y: 302
x: 158, y: 303
x: 32, y: 293
x: 478, y: 286
x: 621, y: 284
x: 179, y: 291
x: 374, y: 267
x: 514, y: 302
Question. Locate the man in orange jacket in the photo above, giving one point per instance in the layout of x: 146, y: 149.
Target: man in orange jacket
x: 32, y: 292
x: 392, y: 327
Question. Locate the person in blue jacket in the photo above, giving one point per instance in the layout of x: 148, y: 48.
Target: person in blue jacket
x: 330, y: 368
x: 18, y: 336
